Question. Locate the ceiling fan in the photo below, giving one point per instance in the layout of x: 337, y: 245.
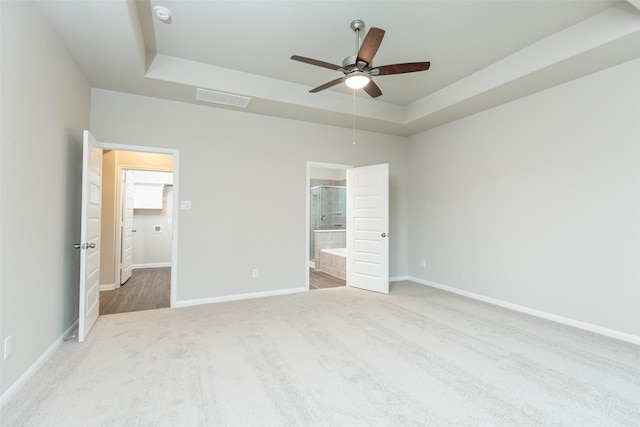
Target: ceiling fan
x: 358, y: 69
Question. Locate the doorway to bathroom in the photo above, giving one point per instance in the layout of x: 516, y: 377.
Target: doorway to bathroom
x: 326, y: 225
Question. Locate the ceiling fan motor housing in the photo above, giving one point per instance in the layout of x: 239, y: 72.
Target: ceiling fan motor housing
x: 349, y: 65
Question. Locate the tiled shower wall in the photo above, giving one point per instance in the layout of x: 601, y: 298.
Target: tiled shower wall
x: 333, y: 207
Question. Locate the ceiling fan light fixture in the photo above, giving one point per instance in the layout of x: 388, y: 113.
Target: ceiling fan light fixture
x: 357, y: 80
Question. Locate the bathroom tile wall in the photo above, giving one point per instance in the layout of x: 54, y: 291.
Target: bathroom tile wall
x: 328, y: 239
x: 334, y: 265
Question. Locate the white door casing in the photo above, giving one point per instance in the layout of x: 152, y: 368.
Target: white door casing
x: 90, y: 235
x: 368, y: 228
x: 126, y: 266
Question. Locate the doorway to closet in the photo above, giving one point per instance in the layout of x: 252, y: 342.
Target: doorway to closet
x: 137, y: 230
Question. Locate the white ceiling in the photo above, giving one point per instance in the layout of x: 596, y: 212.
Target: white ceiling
x: 482, y: 53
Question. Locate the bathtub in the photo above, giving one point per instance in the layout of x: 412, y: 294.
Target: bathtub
x: 336, y: 251
x: 333, y: 261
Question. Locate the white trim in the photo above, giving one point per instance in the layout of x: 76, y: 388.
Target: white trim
x: 140, y: 148
x: 307, y: 220
x: 152, y: 265
x: 107, y: 287
x: 176, y: 205
x: 634, y: 3
x: 118, y: 206
x: 398, y: 278
x: 192, y: 302
x: 623, y: 336
x: 26, y: 376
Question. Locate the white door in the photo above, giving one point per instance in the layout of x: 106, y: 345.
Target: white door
x: 126, y: 266
x: 90, y: 235
x: 368, y: 228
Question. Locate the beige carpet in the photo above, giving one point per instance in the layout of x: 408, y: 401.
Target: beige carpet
x: 341, y: 356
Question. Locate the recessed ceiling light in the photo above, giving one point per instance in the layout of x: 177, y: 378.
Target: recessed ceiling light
x: 162, y: 13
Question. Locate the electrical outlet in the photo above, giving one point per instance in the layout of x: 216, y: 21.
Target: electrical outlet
x: 8, y: 346
x: 254, y: 272
x: 423, y: 263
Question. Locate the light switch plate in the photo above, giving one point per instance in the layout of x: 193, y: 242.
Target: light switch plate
x: 185, y: 205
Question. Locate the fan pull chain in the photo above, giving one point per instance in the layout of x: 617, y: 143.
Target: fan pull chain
x: 357, y: 31
x: 354, y: 117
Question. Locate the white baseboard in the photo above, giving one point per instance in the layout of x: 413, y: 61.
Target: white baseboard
x: 22, y: 380
x: 398, y: 278
x: 189, y: 303
x: 612, y: 333
x: 107, y: 287
x: 152, y: 265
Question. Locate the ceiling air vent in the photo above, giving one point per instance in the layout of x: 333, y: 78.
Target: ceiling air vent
x: 222, y: 98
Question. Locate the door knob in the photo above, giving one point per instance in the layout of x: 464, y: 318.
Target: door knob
x: 384, y: 234
x: 84, y: 245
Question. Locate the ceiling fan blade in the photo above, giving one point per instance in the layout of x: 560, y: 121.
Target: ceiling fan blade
x: 370, y: 45
x: 372, y: 89
x: 326, y: 85
x: 409, y: 67
x: 316, y: 62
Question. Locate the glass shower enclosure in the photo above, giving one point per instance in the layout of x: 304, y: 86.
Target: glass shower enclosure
x: 328, y: 209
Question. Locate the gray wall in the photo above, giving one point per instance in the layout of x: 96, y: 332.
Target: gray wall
x: 45, y: 106
x: 151, y: 248
x: 245, y: 176
x: 537, y: 202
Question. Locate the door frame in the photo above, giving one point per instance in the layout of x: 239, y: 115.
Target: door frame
x: 119, y: 199
x: 321, y: 165
x: 175, y: 209
x: 119, y: 206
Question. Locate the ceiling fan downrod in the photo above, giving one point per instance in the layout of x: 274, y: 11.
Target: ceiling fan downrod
x: 351, y: 63
x: 356, y: 26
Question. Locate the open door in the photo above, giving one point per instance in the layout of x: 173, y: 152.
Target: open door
x: 368, y: 228
x: 126, y: 265
x: 90, y: 235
